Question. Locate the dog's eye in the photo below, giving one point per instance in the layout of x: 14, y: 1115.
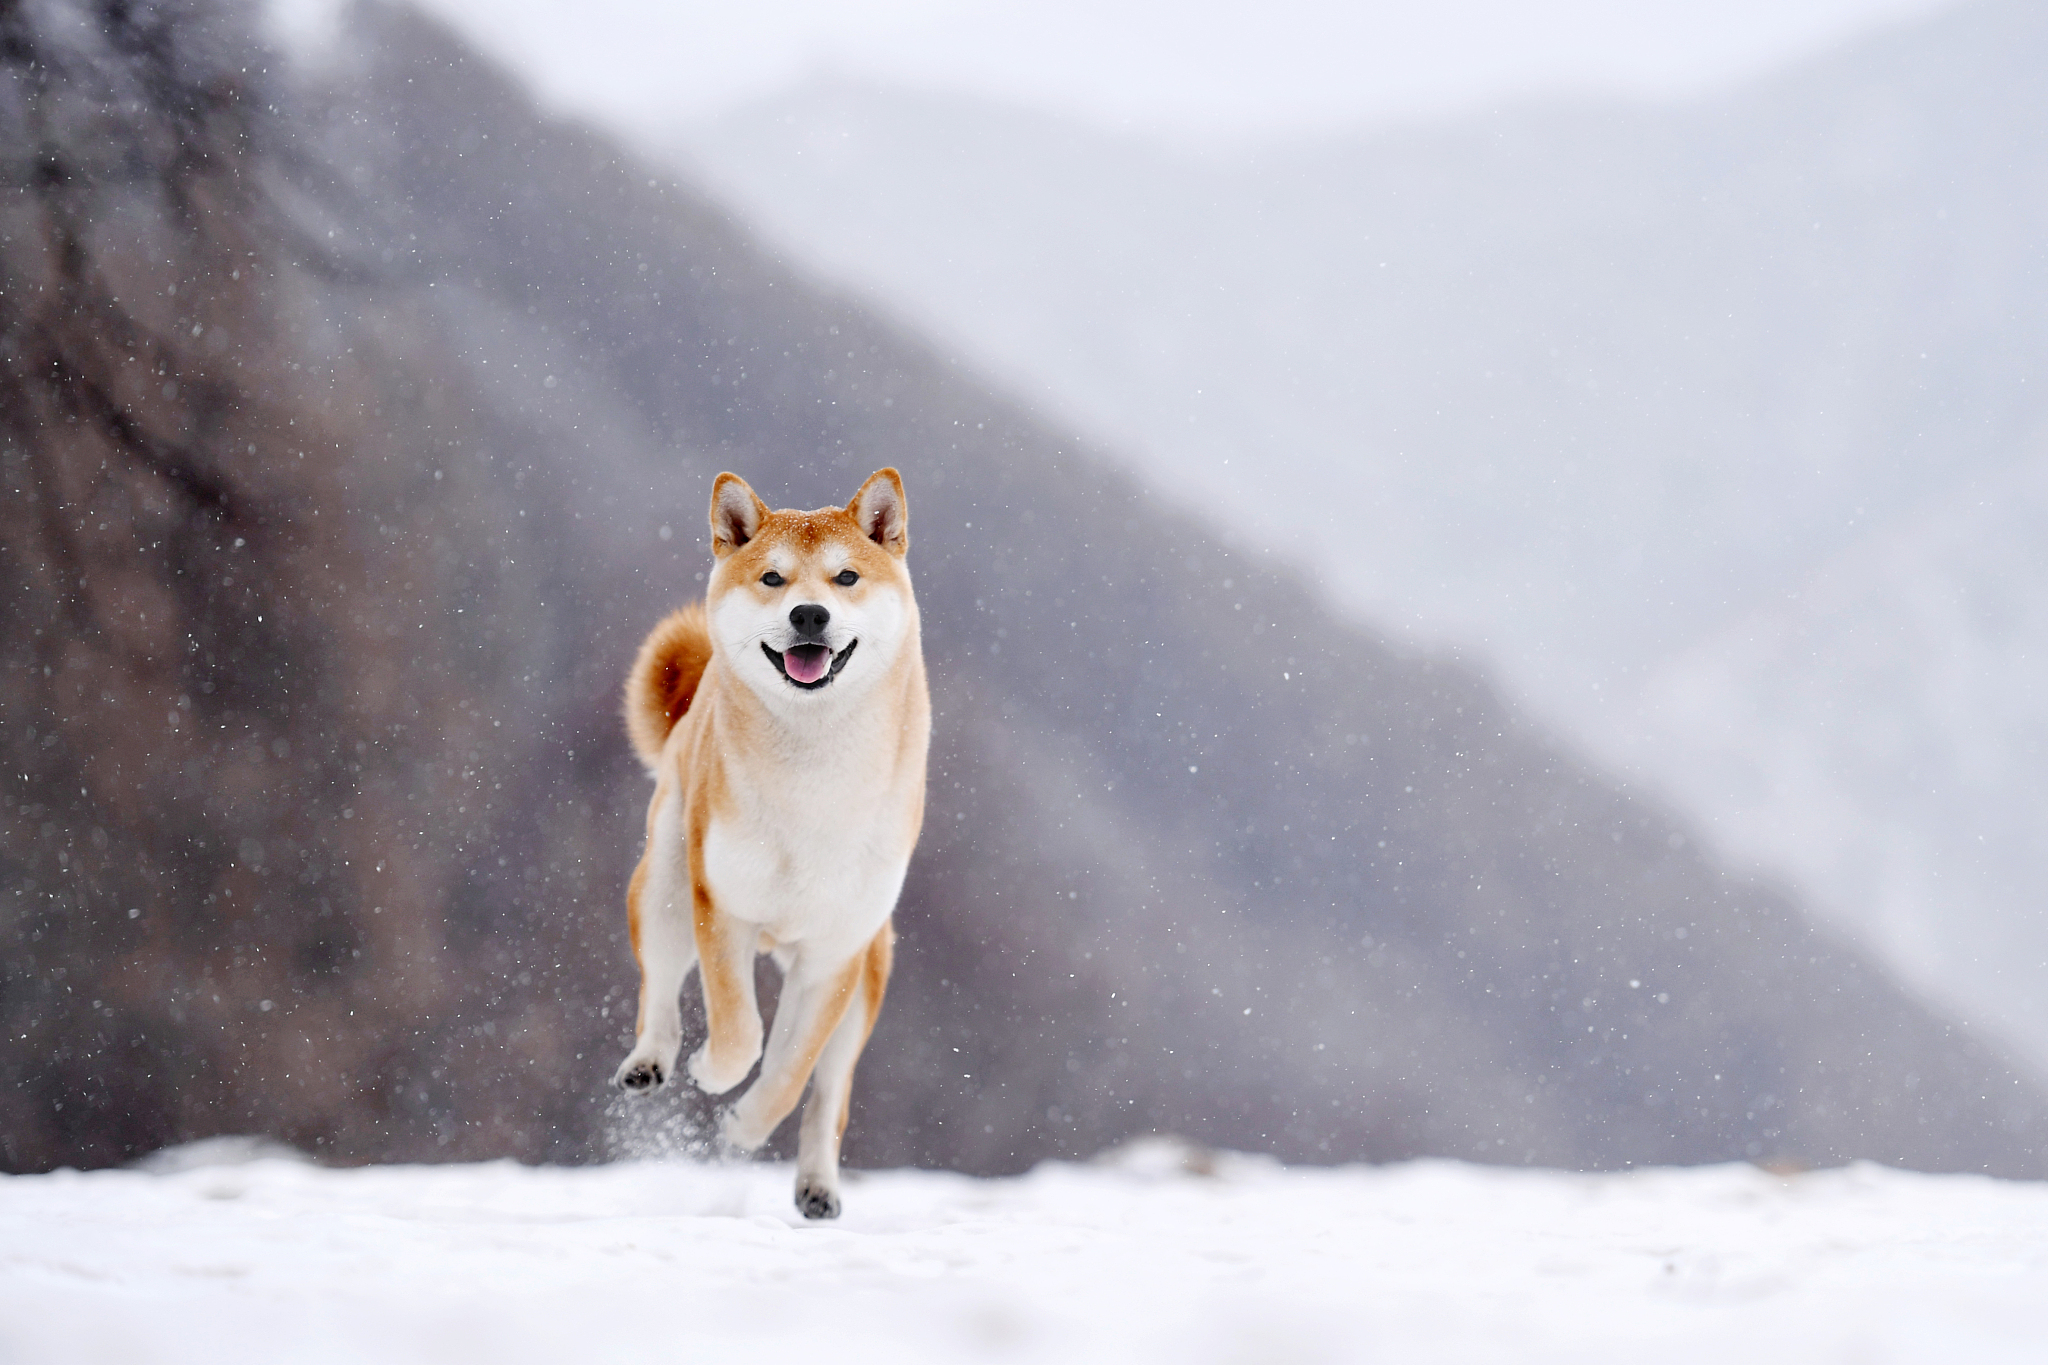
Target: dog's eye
x: 846, y: 578
x: 771, y: 579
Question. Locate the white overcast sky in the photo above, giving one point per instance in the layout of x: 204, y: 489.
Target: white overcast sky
x: 644, y: 67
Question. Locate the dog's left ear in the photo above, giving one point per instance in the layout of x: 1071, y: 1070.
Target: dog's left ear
x: 879, y: 511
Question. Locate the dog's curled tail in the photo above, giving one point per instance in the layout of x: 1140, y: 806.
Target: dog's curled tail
x: 664, y: 678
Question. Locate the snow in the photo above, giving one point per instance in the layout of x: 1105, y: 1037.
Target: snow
x: 278, y: 1259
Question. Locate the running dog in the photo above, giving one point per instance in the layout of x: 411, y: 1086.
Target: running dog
x: 785, y: 721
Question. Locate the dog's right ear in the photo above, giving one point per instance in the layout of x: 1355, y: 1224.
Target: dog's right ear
x: 736, y: 514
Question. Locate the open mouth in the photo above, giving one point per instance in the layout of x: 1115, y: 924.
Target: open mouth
x: 809, y: 666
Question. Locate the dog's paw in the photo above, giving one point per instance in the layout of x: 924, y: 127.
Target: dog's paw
x: 640, y: 1075
x: 712, y: 1079
x: 815, y: 1199
x: 735, y: 1136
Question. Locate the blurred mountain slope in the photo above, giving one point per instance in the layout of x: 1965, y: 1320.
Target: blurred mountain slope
x: 1580, y: 387
x: 1885, y: 721
x: 269, y: 632
x: 418, y: 447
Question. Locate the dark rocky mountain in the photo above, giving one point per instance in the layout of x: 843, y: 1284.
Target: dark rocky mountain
x: 353, y: 433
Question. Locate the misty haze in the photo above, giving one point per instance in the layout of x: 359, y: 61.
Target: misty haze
x: 1485, y: 658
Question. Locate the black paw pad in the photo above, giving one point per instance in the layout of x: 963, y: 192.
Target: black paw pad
x: 641, y: 1079
x: 815, y: 1201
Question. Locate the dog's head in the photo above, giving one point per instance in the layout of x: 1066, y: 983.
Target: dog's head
x: 805, y: 605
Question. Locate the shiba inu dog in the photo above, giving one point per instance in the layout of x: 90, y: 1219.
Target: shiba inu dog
x: 785, y: 721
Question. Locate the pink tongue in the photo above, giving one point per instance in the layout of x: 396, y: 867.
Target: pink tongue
x: 807, y: 663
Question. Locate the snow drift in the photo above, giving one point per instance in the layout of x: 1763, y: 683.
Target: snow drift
x: 1138, y: 1259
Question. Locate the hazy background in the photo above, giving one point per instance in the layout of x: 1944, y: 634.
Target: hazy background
x: 1202, y: 71
x: 1672, y: 362
x: 1441, y: 611
x: 1712, y: 423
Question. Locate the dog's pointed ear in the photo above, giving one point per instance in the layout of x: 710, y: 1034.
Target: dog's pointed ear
x: 879, y: 510
x: 736, y: 514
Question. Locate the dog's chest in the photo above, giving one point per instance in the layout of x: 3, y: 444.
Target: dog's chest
x: 812, y: 853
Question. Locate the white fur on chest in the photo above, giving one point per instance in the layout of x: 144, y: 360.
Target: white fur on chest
x: 813, y: 847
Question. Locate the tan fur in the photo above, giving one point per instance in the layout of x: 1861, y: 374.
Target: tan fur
x: 635, y: 886
x: 664, y: 678
x: 876, y: 964
x: 776, y: 1100
x: 786, y: 807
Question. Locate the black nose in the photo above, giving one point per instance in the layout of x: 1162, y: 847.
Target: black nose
x: 809, y: 620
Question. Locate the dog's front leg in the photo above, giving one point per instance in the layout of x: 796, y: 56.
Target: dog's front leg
x: 732, y: 1018
x: 814, y: 1000
x: 664, y: 945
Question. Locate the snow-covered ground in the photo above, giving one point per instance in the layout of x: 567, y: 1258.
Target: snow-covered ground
x: 280, y: 1261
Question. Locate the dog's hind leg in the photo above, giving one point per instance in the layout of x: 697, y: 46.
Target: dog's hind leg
x: 657, y: 909
x: 824, y: 1123
x: 814, y: 1001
